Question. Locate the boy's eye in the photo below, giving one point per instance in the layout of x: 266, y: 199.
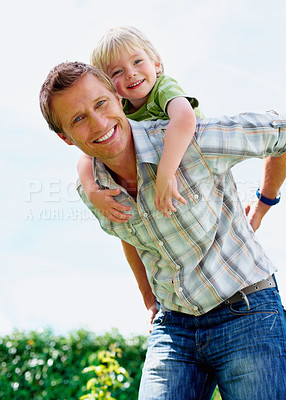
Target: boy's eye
x: 116, y: 73
x: 137, y: 61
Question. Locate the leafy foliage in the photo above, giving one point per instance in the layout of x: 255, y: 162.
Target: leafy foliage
x: 216, y: 395
x: 42, y: 366
x: 109, y: 376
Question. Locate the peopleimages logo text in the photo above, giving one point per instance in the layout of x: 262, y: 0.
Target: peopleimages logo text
x: 51, y: 191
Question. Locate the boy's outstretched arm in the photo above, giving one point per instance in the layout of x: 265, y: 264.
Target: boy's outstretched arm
x: 102, y: 199
x: 178, y: 136
x: 274, y: 174
x: 140, y: 275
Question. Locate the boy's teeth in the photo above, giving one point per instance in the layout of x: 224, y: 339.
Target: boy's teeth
x: 105, y: 137
x: 137, y: 83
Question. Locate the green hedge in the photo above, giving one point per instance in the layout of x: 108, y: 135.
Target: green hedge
x: 42, y: 366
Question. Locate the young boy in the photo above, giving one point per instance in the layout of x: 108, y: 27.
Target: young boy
x: 134, y: 65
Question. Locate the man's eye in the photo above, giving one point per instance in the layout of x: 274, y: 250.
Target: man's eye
x: 100, y: 103
x: 77, y: 119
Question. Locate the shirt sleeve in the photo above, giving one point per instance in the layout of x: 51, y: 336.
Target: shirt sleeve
x: 226, y: 141
x: 167, y: 90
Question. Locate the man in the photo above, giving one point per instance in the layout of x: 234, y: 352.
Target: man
x: 221, y: 319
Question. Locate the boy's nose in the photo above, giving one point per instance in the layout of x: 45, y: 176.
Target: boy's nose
x: 130, y: 73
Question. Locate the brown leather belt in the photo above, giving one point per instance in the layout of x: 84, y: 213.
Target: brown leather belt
x: 256, y: 287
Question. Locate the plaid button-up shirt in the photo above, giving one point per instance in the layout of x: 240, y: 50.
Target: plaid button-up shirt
x: 205, y: 251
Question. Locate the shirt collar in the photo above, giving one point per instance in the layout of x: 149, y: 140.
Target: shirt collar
x: 144, y: 148
x: 102, y: 175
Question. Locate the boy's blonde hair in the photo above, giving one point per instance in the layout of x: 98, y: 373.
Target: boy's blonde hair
x: 126, y: 38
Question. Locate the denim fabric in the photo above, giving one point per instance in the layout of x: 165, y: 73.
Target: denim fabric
x: 243, y: 352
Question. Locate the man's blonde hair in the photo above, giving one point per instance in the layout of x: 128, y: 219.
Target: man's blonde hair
x: 126, y: 38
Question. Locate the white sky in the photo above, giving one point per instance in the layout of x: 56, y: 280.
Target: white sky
x: 58, y: 269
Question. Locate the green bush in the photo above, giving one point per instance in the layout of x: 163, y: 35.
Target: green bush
x: 42, y: 366
x: 216, y: 395
x: 108, y: 377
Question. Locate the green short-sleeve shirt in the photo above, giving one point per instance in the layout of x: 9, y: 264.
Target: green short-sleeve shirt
x: 164, y: 90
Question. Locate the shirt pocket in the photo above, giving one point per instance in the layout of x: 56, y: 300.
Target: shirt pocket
x: 201, y: 212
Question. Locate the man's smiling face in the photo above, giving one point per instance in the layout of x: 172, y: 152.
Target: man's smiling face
x: 92, y: 119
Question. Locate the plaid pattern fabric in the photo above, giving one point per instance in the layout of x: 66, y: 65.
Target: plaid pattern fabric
x: 164, y: 90
x: 206, y: 250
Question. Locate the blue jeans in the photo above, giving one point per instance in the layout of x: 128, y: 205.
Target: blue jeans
x: 241, y: 351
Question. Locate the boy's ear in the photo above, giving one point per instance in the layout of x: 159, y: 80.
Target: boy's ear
x: 158, y: 66
x: 62, y: 136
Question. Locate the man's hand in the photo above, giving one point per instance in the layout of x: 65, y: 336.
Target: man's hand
x: 274, y: 173
x: 152, y: 311
x: 255, y: 211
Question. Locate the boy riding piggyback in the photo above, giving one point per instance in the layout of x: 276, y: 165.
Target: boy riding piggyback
x: 127, y: 56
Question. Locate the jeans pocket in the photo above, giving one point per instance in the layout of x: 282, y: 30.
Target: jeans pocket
x: 263, y: 302
x: 265, y: 316
x: 159, y: 318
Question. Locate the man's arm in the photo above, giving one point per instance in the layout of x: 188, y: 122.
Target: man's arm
x: 274, y: 174
x: 227, y: 141
x: 141, y: 277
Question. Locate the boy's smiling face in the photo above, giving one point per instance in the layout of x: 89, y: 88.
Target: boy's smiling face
x: 134, y: 75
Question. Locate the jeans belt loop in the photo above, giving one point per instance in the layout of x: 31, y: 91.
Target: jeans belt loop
x: 244, y: 298
x: 255, y: 287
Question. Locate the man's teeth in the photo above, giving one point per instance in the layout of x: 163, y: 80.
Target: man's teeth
x: 105, y: 137
x: 136, y: 83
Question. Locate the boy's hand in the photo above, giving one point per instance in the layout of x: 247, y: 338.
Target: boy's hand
x: 103, y: 200
x: 165, y: 190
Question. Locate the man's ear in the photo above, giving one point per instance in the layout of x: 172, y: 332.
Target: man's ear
x: 62, y: 136
x: 119, y: 99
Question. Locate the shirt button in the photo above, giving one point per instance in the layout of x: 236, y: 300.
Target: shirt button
x: 130, y: 230
x: 161, y: 243
x: 195, y: 308
x: 177, y: 267
x: 180, y: 289
x: 145, y: 214
x: 196, y: 196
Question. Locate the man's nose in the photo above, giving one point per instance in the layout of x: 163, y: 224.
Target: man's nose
x: 97, y: 121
